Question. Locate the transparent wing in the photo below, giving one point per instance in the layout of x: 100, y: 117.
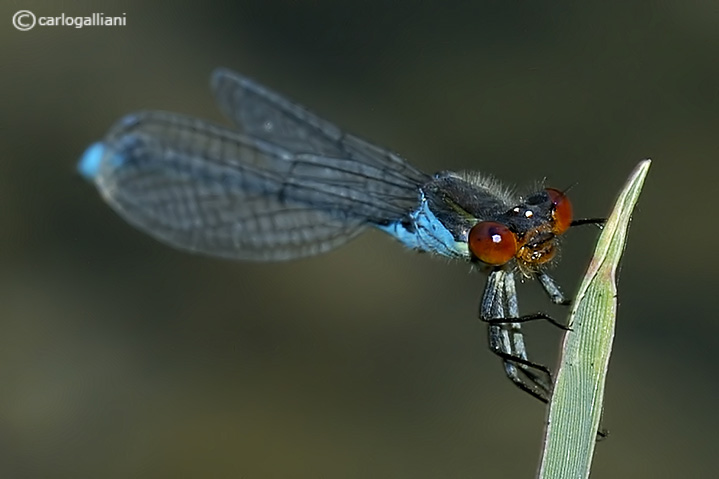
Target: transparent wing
x: 262, y: 113
x: 210, y: 189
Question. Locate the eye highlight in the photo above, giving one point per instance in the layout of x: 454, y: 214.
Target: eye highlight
x: 562, y: 213
x: 492, y: 243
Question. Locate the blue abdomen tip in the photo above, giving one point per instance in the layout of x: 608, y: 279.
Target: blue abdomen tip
x: 89, y: 164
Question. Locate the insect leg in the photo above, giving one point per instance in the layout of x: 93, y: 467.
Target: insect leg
x: 499, y: 304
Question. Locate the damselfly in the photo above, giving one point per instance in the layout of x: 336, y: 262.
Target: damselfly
x: 288, y: 184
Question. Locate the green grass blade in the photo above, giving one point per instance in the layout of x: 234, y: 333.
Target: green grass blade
x: 576, y: 405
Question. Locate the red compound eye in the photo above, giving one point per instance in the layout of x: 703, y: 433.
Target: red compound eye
x: 562, y: 214
x: 492, y: 242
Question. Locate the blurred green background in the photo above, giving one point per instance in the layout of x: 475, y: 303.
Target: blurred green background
x: 120, y: 357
